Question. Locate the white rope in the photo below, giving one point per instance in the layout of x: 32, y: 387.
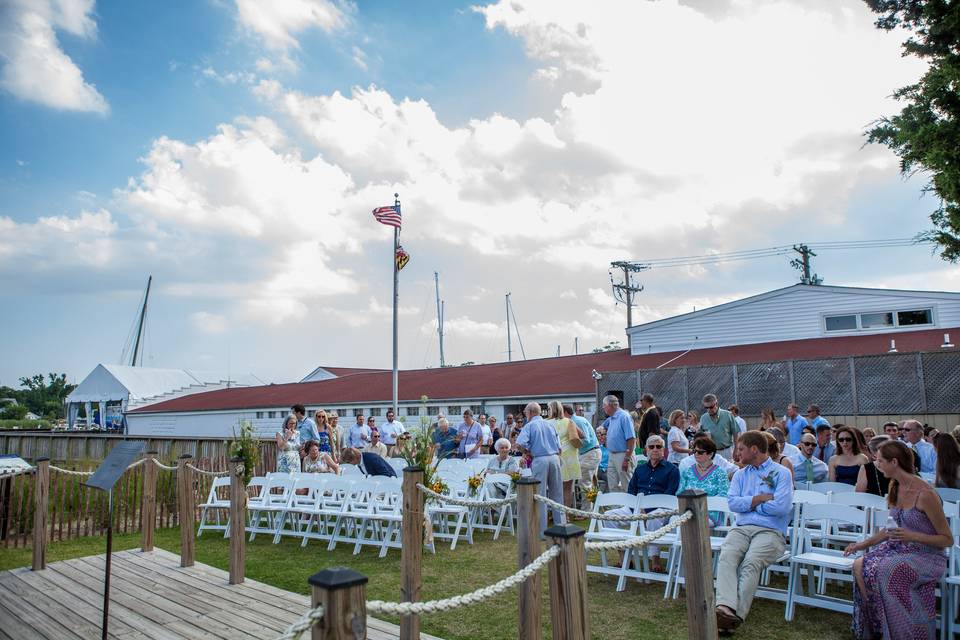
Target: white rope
x: 481, y: 594
x: 138, y: 463
x: 306, y: 621
x: 204, y: 472
x: 163, y: 466
x: 466, y: 503
x: 639, y: 541
x: 70, y: 472
x: 611, y: 517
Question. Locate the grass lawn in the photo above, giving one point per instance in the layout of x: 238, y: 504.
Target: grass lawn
x: 640, y: 612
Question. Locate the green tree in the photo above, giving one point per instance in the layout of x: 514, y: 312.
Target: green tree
x: 42, y: 396
x: 613, y: 345
x: 926, y: 133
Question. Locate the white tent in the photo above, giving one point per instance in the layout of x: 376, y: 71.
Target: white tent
x: 124, y: 387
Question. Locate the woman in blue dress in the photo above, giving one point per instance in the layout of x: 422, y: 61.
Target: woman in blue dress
x: 846, y: 462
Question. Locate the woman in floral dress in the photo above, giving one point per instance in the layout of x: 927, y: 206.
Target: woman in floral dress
x: 288, y: 446
x: 570, y: 439
x: 325, y: 431
x: 897, y: 577
x: 703, y: 474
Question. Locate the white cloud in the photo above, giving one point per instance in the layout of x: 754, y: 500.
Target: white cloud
x: 54, y: 242
x: 359, y: 57
x: 279, y: 23
x: 568, y: 294
x: 35, y: 67
x: 210, y: 323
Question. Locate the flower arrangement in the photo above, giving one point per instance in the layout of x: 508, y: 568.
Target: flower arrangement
x: 770, y: 480
x: 438, y: 486
x: 246, y: 446
x: 474, y: 483
x: 591, y: 494
x: 417, y: 450
x: 514, y: 479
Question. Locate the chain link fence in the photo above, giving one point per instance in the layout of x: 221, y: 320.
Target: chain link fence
x: 863, y: 385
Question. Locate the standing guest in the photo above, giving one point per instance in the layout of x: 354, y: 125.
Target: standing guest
x: 761, y: 494
x: 768, y: 419
x: 870, y: 480
x: 741, y: 423
x: 390, y: 431
x: 370, y: 464
x: 845, y: 464
x: 892, y: 429
x: 375, y: 446
x: 325, y: 437
x: 539, y: 439
x: 371, y: 424
x: 705, y: 474
x: 773, y: 450
x: 912, y: 432
x: 445, y: 439
x: 306, y: 426
x: 869, y: 433
x: 358, y: 435
x: 469, y: 436
x: 508, y: 425
x: 495, y: 432
x: 604, y: 460
x: 897, y: 579
x: 956, y: 433
x: 807, y: 467
x: 678, y: 445
x: 948, y: 461
x: 693, y: 425
x: 825, y: 448
x: 794, y: 423
x: 336, y: 431
x: 719, y: 423
x: 589, y: 454
x: 487, y: 434
x: 621, y: 440
x: 570, y: 440
x: 656, y: 476
x: 814, y: 417
x: 929, y: 433
x: 649, y: 418
x: 288, y: 446
x: 317, y: 462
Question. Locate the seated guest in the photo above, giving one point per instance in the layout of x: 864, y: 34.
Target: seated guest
x: 503, y: 462
x: 948, y: 461
x: 705, y: 474
x: 370, y: 464
x: 773, y: 450
x: 655, y: 476
x: 897, y: 578
x: 845, y: 464
x: 891, y: 429
x: 761, y: 494
x: 445, y: 439
x: 868, y: 433
x: 786, y: 448
x: 727, y: 466
x: 808, y: 468
x: 316, y: 462
x: 825, y: 448
x: 604, y: 459
x: 870, y: 480
x: 375, y: 445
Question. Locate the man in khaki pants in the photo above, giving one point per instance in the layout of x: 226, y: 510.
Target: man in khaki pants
x: 761, y: 494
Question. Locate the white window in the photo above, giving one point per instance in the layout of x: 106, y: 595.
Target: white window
x: 878, y: 320
x: 271, y: 414
x: 357, y: 412
x: 376, y: 412
x: 259, y: 415
x: 342, y: 413
x: 841, y: 323
x: 914, y: 317
x: 874, y: 320
x: 412, y: 411
x: 432, y: 411
x: 453, y: 410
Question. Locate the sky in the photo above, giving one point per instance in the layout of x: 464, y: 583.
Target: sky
x: 234, y: 149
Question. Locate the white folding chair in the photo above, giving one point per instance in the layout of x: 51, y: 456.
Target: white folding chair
x: 494, y: 487
x: 216, y: 504
x: 277, y: 494
x: 448, y: 520
x: 949, y: 495
x: 719, y: 507
x: 642, y: 556
x: 357, y: 506
x: 823, y: 558
x: 832, y: 487
x: 304, y: 502
x: 608, y: 531
x: 330, y: 506
x: 350, y: 470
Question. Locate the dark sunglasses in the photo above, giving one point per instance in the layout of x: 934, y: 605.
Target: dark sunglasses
x: 844, y: 439
x: 654, y: 446
x: 700, y: 452
x: 808, y: 444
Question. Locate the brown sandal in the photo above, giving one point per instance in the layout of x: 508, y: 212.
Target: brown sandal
x: 727, y: 621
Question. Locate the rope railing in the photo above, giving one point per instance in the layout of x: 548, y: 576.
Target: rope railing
x: 306, y: 621
x: 461, y: 502
x: 639, y: 541
x: 70, y: 472
x: 163, y: 466
x: 204, y: 472
x: 609, y: 517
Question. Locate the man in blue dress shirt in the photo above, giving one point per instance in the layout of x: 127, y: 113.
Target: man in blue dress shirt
x: 794, y: 423
x: 306, y: 427
x: 761, y: 494
x: 621, y: 441
x: 358, y: 436
x: 539, y: 438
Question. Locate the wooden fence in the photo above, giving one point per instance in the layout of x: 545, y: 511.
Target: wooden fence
x: 75, y: 510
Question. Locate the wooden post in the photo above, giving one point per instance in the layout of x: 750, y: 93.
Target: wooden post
x: 41, y: 497
x: 528, y: 548
x: 411, y: 550
x: 698, y: 566
x: 569, y: 615
x: 148, y: 508
x: 343, y: 594
x: 185, y: 501
x: 238, y: 521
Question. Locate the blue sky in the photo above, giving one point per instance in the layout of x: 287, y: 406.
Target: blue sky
x: 234, y: 149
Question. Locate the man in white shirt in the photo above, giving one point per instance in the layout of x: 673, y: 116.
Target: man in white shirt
x: 390, y: 431
x: 741, y: 423
x: 487, y: 435
x: 912, y: 431
x: 806, y: 466
x: 375, y: 446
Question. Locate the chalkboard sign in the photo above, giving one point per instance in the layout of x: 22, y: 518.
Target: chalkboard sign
x: 116, y: 462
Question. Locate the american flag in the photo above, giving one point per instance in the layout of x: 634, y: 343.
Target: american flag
x: 389, y: 216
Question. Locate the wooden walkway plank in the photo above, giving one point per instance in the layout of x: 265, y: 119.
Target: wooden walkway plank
x: 40, y: 618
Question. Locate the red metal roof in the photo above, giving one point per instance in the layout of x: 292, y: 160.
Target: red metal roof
x: 568, y: 375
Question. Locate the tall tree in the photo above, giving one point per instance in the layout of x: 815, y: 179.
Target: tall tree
x: 926, y: 133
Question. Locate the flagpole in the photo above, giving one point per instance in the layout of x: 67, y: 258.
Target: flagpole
x: 396, y: 300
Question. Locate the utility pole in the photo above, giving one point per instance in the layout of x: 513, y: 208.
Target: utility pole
x: 509, y: 344
x: 624, y: 291
x: 558, y: 351
x: 576, y: 346
x: 803, y: 265
x: 436, y: 283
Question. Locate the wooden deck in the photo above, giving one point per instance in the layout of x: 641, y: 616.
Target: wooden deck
x: 151, y: 597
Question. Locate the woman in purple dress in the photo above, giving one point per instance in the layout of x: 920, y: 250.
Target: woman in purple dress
x: 896, y: 579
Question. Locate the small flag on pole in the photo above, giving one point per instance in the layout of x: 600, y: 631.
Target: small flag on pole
x: 389, y: 216
x: 402, y: 258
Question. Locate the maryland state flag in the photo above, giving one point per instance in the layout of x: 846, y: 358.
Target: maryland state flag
x: 402, y: 258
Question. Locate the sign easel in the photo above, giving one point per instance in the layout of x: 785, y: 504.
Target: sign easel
x: 106, y: 475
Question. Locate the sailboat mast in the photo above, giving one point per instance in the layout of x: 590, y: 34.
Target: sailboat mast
x: 509, y: 345
x: 436, y: 283
x: 143, y: 315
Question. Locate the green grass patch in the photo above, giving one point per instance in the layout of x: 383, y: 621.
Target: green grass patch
x: 640, y: 612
